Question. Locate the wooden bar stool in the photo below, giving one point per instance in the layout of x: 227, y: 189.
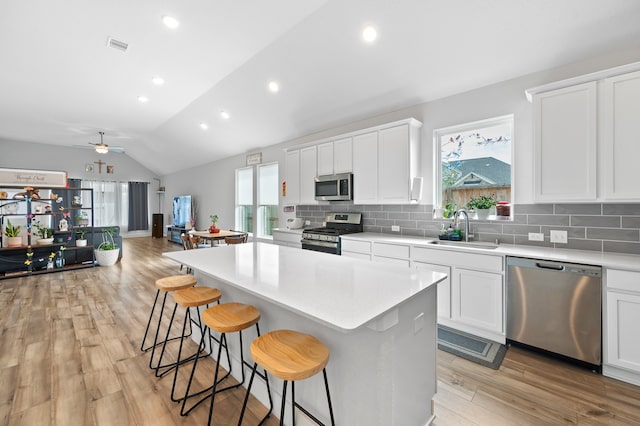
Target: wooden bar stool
x: 225, y: 318
x: 188, y: 298
x: 290, y: 356
x: 165, y: 285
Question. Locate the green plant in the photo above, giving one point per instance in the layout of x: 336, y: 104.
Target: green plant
x: 449, y: 209
x: 11, y: 231
x: 81, y: 233
x: 107, y: 239
x: 482, y: 202
x: 43, y: 231
x: 214, y: 218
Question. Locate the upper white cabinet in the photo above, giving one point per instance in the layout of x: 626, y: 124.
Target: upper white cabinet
x: 308, y: 158
x: 365, y: 168
x: 621, y: 139
x: 335, y: 157
x: 585, y: 137
x: 292, y: 177
x: 565, y: 144
x: 383, y: 159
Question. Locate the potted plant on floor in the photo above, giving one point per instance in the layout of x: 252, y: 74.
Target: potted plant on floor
x: 107, y: 252
x: 81, y: 241
x: 13, y: 235
x: 45, y: 234
x: 213, y: 229
x: 482, y: 205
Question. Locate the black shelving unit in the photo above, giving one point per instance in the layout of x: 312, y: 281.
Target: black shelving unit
x: 49, y: 207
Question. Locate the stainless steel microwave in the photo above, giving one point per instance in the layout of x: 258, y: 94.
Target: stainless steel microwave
x: 334, y: 187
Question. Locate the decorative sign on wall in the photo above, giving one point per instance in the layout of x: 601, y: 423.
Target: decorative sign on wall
x: 254, y: 159
x: 20, y: 177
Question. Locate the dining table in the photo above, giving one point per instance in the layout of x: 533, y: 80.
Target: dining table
x: 212, y: 238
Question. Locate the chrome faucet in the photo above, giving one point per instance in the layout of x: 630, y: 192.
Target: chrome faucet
x: 466, y: 222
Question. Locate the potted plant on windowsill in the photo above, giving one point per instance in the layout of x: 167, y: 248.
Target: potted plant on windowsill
x: 213, y: 229
x: 482, y: 205
x: 13, y: 235
x: 81, y: 241
x: 45, y: 234
x: 107, y: 252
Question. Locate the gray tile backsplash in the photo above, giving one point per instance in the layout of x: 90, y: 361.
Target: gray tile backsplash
x: 597, y: 227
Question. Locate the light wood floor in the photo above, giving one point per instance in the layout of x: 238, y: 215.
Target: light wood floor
x: 69, y: 355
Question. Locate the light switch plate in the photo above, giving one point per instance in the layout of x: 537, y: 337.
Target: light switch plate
x: 395, y: 228
x: 534, y: 236
x: 559, y: 237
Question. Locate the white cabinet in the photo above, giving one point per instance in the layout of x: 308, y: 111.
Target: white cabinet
x: 365, y: 168
x: 396, y: 165
x: 335, y: 157
x: 621, y: 140
x: 622, y: 342
x: 287, y: 238
x: 397, y: 254
x: 444, y: 289
x: 292, y: 177
x: 355, y: 248
x: 477, y: 299
x: 565, y: 144
x: 308, y: 173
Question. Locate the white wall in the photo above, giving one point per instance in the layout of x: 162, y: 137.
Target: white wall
x: 23, y: 155
x: 213, y: 184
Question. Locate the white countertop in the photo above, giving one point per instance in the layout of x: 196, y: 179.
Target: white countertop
x: 610, y: 260
x: 339, y: 292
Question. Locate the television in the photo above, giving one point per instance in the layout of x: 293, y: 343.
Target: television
x: 181, y: 210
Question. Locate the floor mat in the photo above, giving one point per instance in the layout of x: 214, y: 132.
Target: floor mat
x: 482, y: 351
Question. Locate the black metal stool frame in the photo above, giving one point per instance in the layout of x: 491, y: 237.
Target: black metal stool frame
x: 146, y: 331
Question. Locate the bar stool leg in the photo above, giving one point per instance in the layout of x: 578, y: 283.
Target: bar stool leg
x: 146, y: 331
x: 246, y: 395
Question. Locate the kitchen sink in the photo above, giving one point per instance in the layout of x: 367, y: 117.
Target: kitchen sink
x: 477, y: 245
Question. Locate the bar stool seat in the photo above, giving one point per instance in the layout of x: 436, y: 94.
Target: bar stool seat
x: 290, y: 356
x: 224, y: 318
x: 166, y: 285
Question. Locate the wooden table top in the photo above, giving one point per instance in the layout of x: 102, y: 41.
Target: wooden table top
x: 217, y: 236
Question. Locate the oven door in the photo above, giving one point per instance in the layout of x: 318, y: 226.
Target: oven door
x: 322, y: 246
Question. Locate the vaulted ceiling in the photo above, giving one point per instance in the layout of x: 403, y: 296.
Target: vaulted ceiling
x: 60, y: 84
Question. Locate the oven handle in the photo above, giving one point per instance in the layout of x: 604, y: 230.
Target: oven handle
x: 318, y: 243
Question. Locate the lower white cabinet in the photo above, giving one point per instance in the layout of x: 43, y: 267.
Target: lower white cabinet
x: 622, y: 339
x: 287, y: 238
x: 396, y: 254
x: 477, y: 299
x: 444, y: 289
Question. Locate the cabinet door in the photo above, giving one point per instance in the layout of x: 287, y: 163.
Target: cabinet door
x: 325, y: 159
x: 343, y: 156
x: 292, y: 177
x: 477, y: 299
x: 307, y: 175
x: 365, y: 168
x: 565, y: 144
x: 394, y: 167
x: 622, y: 342
x: 444, y: 288
x: 621, y: 143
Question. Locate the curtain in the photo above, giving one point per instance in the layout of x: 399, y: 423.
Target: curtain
x: 110, y: 201
x: 138, y: 206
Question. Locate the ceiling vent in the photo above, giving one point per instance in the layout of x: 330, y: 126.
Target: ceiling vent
x: 117, y: 45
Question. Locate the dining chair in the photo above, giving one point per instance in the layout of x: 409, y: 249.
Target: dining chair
x: 237, y: 239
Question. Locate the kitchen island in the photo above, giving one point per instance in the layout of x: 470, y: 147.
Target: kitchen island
x: 379, y: 322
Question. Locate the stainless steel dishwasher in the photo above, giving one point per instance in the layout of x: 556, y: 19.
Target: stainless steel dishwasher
x: 555, y: 306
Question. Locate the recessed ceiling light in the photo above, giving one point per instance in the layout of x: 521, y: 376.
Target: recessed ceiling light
x: 369, y: 34
x: 157, y: 80
x: 273, y: 86
x: 224, y: 114
x: 170, y: 21
x: 204, y: 126
x: 143, y: 99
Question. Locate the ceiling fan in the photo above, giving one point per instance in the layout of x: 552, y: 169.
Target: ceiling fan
x: 103, y: 148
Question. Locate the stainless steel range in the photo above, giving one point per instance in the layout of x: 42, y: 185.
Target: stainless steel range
x: 327, y: 239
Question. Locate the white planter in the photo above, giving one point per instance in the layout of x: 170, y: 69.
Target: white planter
x: 44, y: 241
x: 81, y: 243
x: 107, y: 257
x: 483, y: 214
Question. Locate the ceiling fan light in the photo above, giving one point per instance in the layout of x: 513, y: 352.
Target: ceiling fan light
x: 102, y: 149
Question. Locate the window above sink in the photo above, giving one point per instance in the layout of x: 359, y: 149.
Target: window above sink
x: 473, y: 161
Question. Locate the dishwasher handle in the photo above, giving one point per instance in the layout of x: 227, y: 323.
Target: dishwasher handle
x: 554, y: 267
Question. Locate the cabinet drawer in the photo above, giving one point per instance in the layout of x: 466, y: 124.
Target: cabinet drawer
x: 623, y: 280
x: 391, y: 260
x: 479, y: 261
x: 356, y: 246
x: 355, y: 255
x: 397, y: 251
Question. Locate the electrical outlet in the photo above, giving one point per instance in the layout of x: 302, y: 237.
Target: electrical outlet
x: 534, y: 236
x: 307, y: 222
x: 559, y: 237
x: 395, y: 228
